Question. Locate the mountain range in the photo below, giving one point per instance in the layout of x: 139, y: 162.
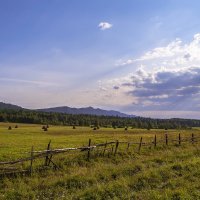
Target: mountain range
x: 86, y: 110
x: 9, y: 106
x: 69, y: 110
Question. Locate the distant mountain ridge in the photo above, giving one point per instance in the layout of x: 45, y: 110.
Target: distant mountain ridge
x: 69, y: 110
x: 86, y: 110
x: 9, y: 106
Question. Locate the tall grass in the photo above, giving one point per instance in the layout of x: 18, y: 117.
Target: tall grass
x: 171, y: 172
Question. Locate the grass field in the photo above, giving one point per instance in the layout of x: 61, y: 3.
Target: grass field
x: 170, y: 172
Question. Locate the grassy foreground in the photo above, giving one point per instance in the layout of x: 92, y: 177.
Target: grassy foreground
x: 171, y: 172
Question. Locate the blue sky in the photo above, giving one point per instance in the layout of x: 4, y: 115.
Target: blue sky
x: 126, y: 55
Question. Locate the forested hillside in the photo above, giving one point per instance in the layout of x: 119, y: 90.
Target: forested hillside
x: 27, y: 116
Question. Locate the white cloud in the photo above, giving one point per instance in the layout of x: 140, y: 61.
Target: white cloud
x: 104, y: 25
x: 169, y: 80
x: 167, y: 83
x: 124, y: 62
x: 176, y: 54
x: 170, y: 50
x: 164, y: 89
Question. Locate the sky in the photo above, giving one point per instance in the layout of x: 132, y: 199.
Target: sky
x: 139, y: 57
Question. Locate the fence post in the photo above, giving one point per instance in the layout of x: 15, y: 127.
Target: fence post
x: 166, y: 139
x: 108, y: 154
x: 140, y: 144
x: 88, y: 155
x: 155, y: 141
x: 116, y: 147
x: 47, y: 157
x: 192, y: 138
x: 112, y: 149
x: 31, y: 167
x: 179, y: 139
x: 104, y: 148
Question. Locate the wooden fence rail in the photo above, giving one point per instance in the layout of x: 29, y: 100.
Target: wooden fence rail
x: 113, y: 149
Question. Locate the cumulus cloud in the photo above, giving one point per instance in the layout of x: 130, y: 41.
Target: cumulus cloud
x: 170, y: 50
x: 104, y: 25
x: 168, y: 83
x: 175, y: 54
x: 166, y: 89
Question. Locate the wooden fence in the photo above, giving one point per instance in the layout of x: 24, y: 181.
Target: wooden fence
x: 111, y: 148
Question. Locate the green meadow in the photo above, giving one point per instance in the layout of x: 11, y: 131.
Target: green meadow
x: 164, y: 172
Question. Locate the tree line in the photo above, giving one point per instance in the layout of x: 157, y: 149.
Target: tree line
x: 37, y: 117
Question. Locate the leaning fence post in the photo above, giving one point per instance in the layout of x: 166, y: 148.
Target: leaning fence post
x: 31, y: 166
x: 155, y: 141
x: 88, y: 155
x: 47, y: 153
x: 166, y: 139
x: 116, y: 147
x: 49, y: 160
x: 140, y: 144
x: 179, y: 139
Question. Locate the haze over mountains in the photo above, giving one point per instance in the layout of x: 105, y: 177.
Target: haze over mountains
x: 86, y: 110
x: 69, y: 110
